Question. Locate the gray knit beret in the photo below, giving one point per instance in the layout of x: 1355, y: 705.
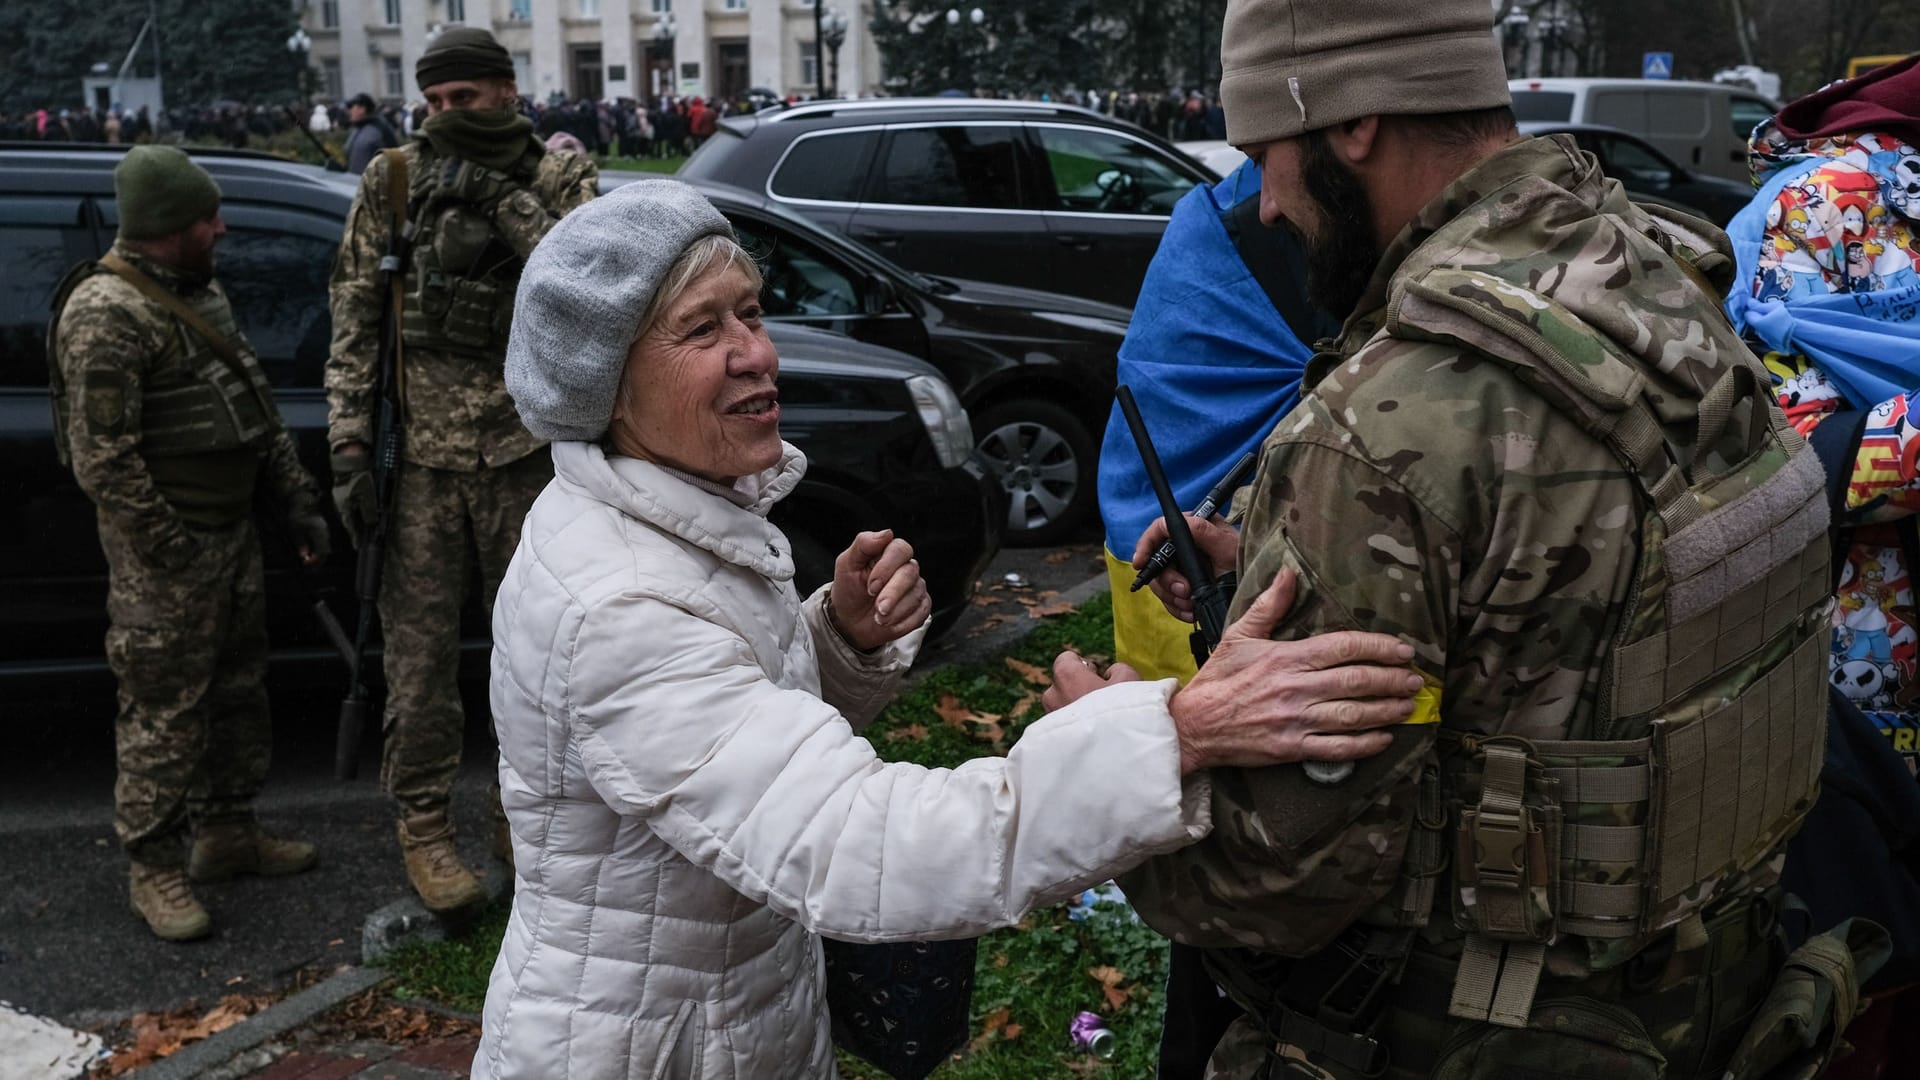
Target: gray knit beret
x: 581, y: 298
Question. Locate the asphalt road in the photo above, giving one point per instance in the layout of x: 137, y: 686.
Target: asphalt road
x: 71, y: 949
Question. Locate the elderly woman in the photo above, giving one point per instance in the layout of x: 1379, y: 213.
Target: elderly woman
x: 690, y: 800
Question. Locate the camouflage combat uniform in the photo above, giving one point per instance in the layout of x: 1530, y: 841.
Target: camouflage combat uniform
x: 471, y: 470
x: 188, y: 642
x: 1427, y: 490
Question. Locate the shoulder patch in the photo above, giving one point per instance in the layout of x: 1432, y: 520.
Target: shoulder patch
x: 103, y: 393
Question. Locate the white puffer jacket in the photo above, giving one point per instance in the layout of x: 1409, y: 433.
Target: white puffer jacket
x: 688, y: 811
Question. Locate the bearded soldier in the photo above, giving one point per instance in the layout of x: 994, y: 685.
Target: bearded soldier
x: 169, y: 424
x: 1539, y: 454
x: 480, y: 191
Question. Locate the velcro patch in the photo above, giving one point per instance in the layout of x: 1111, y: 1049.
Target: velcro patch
x: 104, y: 394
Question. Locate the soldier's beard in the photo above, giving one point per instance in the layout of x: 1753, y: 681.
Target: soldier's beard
x: 1341, y: 253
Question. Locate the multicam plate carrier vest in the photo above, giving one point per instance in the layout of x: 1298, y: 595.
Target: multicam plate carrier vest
x: 1712, y: 715
x: 208, y: 401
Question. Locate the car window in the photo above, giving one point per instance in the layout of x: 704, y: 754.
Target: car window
x: 828, y: 167
x: 800, y: 281
x: 40, y: 238
x: 1626, y: 158
x: 1546, y: 105
x: 1679, y: 115
x: 1109, y: 173
x: 973, y: 166
x: 1748, y: 113
x: 1619, y: 108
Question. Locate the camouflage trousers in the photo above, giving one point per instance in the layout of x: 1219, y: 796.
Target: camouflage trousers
x: 447, y: 524
x: 188, y: 647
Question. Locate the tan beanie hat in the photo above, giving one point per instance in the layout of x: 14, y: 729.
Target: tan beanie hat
x: 1292, y: 66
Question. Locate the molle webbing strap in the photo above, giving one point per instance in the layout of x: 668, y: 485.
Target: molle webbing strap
x: 1500, y: 836
x: 179, y: 309
x: 1497, y: 980
x: 1733, y: 783
x: 397, y: 209
x: 1625, y: 784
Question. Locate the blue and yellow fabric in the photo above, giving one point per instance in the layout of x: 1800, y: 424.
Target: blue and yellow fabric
x: 1214, y: 367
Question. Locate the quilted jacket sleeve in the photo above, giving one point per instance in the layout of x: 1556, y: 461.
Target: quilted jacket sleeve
x: 860, y: 685
x: 770, y: 790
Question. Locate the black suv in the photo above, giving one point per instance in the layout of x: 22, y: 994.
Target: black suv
x: 1034, y: 369
x: 888, y: 442
x: 1014, y: 192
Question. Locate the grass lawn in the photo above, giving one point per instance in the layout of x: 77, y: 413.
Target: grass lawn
x: 1032, y: 979
x: 659, y: 165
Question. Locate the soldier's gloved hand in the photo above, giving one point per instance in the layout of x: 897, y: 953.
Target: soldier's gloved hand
x: 465, y: 181
x: 353, y: 493
x: 312, y: 540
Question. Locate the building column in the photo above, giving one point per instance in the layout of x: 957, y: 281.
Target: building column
x: 413, y: 42
x: 549, y: 60
x: 356, y: 69
x: 690, y: 46
x: 616, y: 49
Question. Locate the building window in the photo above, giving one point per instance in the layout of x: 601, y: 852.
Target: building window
x: 520, y: 10
x: 661, y: 7
x: 396, y: 79
x: 330, y: 79
x: 329, y: 14
x: 809, y: 71
x: 736, y: 5
x: 589, y: 9
x: 523, y: 69
x: 457, y: 11
x: 393, y: 12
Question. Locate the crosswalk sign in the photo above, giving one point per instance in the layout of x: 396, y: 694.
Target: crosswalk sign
x: 1656, y: 65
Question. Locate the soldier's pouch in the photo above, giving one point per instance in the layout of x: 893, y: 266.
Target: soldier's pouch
x: 1507, y: 847
x: 472, y: 310
x: 1797, y: 1031
x: 1565, y: 1039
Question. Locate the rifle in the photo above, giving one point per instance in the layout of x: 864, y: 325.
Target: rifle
x: 388, y: 443
x: 1209, y: 599
x: 335, y: 163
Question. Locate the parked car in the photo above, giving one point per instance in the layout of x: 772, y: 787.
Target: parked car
x: 888, y: 442
x: 1218, y: 155
x: 1034, y: 369
x: 1703, y: 126
x: 1651, y: 176
x: 1026, y: 193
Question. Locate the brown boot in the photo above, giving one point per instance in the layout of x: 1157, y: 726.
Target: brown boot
x: 433, y: 867
x: 161, y: 895
x: 225, y: 851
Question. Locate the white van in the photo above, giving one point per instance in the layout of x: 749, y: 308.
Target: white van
x: 1704, y: 126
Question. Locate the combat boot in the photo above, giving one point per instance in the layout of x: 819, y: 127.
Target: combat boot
x: 162, y: 897
x: 433, y: 866
x: 225, y: 851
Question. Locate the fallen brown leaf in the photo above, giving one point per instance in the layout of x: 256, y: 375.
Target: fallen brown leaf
x: 950, y: 709
x: 1058, y: 557
x: 1050, y: 609
x: 992, y: 1023
x: 914, y: 732
x: 1033, y: 673
x: 1025, y: 705
x: 1110, y: 978
x: 1010, y: 1032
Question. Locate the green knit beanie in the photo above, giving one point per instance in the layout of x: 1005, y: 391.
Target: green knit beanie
x: 162, y: 192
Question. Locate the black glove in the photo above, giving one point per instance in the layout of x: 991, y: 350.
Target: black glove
x: 353, y: 495
x: 464, y: 181
x: 309, y: 530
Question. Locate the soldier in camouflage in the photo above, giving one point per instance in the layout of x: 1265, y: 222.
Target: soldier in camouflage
x: 169, y: 425
x: 480, y: 192
x: 1538, y: 453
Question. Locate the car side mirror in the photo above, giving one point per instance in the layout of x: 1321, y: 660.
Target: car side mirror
x: 878, y: 297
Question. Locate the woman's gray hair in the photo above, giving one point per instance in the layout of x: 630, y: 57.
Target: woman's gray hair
x: 712, y: 253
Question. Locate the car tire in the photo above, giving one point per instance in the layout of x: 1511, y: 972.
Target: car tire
x: 1045, y: 458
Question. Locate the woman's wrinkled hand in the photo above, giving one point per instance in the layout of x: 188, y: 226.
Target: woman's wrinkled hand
x: 1264, y: 702
x: 878, y: 595
x: 1074, y: 677
x: 1218, y: 542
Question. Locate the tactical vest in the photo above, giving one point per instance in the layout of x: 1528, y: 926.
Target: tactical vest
x: 460, y: 288
x: 193, y: 399
x: 1711, y: 717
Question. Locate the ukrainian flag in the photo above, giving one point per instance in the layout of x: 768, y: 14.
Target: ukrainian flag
x: 1214, y: 367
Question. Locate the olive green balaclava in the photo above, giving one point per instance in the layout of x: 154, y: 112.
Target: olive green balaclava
x: 1293, y: 66
x: 161, y: 191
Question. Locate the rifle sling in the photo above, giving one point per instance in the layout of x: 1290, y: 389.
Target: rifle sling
x: 215, y: 340
x: 397, y: 279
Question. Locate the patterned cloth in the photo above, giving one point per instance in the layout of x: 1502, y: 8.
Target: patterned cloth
x: 1836, y: 228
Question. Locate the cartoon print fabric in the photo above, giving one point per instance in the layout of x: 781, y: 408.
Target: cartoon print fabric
x: 1846, y: 226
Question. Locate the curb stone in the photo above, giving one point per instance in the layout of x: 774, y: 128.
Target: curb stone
x: 405, y: 921
x: 201, y: 1058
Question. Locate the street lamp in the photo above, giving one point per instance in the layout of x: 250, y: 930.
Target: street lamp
x: 664, y: 29
x: 976, y: 17
x: 298, y: 43
x: 833, y: 29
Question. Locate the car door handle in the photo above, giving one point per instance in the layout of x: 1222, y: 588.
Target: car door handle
x: 880, y: 239
x: 1074, y: 241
